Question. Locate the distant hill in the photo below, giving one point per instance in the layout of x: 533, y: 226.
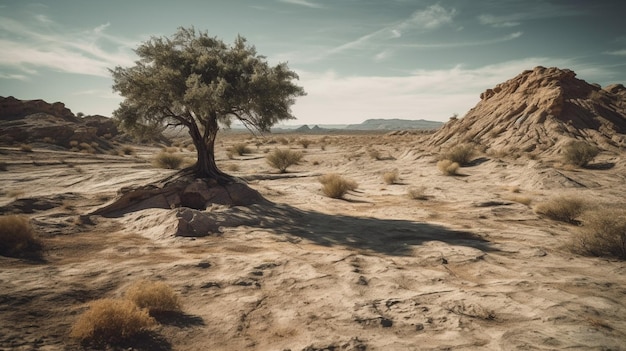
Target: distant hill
x: 395, y: 124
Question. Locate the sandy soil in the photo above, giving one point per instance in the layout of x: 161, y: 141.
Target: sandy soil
x: 469, y: 267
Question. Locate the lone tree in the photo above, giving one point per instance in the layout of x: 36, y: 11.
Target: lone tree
x: 199, y: 82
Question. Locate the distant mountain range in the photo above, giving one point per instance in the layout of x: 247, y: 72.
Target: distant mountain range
x: 369, y: 125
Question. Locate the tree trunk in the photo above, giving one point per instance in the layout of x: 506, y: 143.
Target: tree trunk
x: 205, y: 147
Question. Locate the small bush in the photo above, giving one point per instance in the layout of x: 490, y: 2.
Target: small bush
x: 335, y: 186
x: 603, y: 234
x: 305, y: 143
x: 374, y: 154
x: 17, y: 237
x: 154, y: 296
x: 109, y: 320
x: 391, y: 177
x: 167, y: 160
x: 561, y: 208
x: 128, y: 150
x: 240, y: 149
x: 232, y: 167
x: 461, y: 154
x: 282, y: 140
x: 579, y: 153
x: 26, y: 148
x: 417, y: 193
x: 282, y: 159
x: 448, y: 167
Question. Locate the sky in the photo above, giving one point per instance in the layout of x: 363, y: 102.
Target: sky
x: 356, y: 59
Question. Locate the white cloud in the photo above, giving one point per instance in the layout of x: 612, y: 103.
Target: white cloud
x: 498, y: 22
x: 432, y: 17
x: 468, y: 43
x: 28, y: 47
x: 13, y: 76
x: 305, y: 3
x: 617, y: 52
x: 422, y: 94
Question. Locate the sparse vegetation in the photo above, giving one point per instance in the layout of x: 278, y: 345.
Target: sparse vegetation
x: 335, y: 186
x: 562, y: 208
x: 461, y: 154
x: 110, y: 321
x: 374, y: 154
x: 417, y: 193
x: 305, y: 143
x: 154, y: 296
x: 603, y: 233
x: 281, y: 159
x: 26, y: 148
x: 167, y: 160
x: 579, y: 153
x: 391, y: 177
x: 240, y: 149
x: 17, y: 237
x: 448, y: 167
x: 127, y: 150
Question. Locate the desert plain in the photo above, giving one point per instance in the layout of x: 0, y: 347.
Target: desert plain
x: 465, y: 265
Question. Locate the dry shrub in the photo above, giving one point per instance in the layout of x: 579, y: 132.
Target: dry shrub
x: 167, y: 160
x: 240, y: 149
x: 281, y: 159
x: 154, y: 296
x: 391, y: 177
x: 305, y: 143
x: 374, y: 154
x: 111, y: 320
x: 170, y: 149
x: 603, y: 233
x: 448, y: 167
x: 579, y: 153
x: 128, y: 150
x: 282, y: 140
x: 335, y: 186
x: 562, y: 208
x: 233, y: 167
x: 461, y: 154
x: 417, y: 193
x: 26, y: 148
x: 17, y: 237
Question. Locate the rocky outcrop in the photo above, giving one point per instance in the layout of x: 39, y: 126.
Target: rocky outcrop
x: 538, y: 111
x: 31, y: 121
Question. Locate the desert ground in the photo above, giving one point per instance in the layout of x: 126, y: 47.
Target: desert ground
x: 468, y: 265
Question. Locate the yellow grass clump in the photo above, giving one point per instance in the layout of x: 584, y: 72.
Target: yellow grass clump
x: 111, y: 320
x: 281, y: 159
x: 168, y: 160
x: 154, y: 296
x: 603, y: 233
x: 448, y: 167
x: 561, y: 208
x: 461, y: 154
x: 579, y: 153
x: 17, y: 237
x: 391, y: 177
x: 335, y: 186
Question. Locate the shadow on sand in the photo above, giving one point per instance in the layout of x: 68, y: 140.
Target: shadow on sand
x: 386, y: 236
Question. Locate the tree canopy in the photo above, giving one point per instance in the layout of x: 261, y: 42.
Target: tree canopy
x: 199, y: 82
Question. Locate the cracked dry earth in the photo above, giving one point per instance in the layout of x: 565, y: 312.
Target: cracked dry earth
x: 468, y: 267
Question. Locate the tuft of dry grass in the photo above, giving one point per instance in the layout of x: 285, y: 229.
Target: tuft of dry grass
x: 374, y: 154
x: 304, y: 143
x: 110, y: 321
x: 603, y: 233
x: 26, y: 148
x: 167, y: 160
x: 562, y: 208
x: 127, y: 150
x: 233, y: 167
x: 154, y: 296
x: 281, y: 159
x: 579, y: 153
x: 240, y: 149
x: 461, y: 154
x: 17, y: 237
x: 448, y: 167
x: 391, y: 177
x: 335, y: 186
x: 417, y: 193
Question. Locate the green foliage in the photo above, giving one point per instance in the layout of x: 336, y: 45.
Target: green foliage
x: 335, y: 186
x: 282, y: 159
x: 579, y: 153
x: 193, y: 80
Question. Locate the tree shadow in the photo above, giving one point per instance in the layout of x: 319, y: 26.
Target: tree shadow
x: 387, y: 236
x: 600, y: 166
x: 178, y: 319
x: 477, y: 161
x: 144, y: 341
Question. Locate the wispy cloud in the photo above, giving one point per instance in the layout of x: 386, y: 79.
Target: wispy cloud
x: 28, y: 47
x: 505, y: 38
x: 498, y: 22
x: 617, y: 52
x: 13, y: 76
x: 305, y: 3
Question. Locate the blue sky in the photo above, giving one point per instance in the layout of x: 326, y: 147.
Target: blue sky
x: 357, y: 59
